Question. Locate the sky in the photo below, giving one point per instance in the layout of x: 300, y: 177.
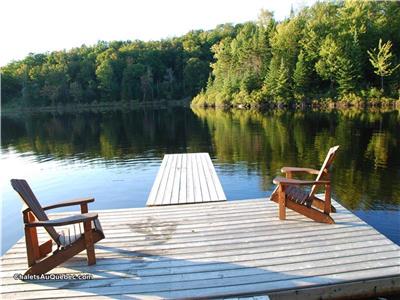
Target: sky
x: 40, y: 26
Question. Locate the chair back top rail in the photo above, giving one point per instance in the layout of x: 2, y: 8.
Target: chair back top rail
x: 324, y: 168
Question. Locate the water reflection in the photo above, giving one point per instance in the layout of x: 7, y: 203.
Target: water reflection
x: 114, y: 156
x: 366, y: 171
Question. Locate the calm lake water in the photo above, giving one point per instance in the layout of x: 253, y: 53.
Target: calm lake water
x: 114, y: 156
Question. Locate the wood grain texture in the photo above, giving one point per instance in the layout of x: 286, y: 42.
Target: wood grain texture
x: 186, y: 178
x: 232, y: 249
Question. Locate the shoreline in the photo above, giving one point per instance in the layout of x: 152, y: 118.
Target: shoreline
x: 163, y: 104
x: 321, y: 104
x: 96, y: 106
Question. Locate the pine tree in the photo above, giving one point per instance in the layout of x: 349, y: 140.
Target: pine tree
x: 272, y: 77
x: 282, y: 88
x: 349, y: 70
x: 346, y: 77
x: 301, y: 75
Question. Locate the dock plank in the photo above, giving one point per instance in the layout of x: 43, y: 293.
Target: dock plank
x: 226, y: 250
x: 205, y: 193
x: 153, y: 193
x: 183, y: 183
x: 166, y: 198
x: 197, y: 190
x: 160, y: 190
x: 208, y: 177
x: 186, y: 178
x: 215, y: 179
x: 190, y: 180
x: 176, y: 185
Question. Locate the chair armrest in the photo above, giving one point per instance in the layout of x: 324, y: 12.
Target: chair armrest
x: 286, y: 181
x: 64, y: 221
x: 302, y: 170
x: 69, y: 203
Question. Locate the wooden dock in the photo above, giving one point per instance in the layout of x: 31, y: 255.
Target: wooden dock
x: 186, y: 178
x: 220, y: 250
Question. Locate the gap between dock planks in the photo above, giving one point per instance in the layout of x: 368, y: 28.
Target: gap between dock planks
x: 186, y: 178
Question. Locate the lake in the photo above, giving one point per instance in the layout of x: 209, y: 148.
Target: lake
x: 114, y: 156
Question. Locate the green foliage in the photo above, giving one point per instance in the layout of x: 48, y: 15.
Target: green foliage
x: 121, y: 70
x: 195, y: 75
x: 301, y: 77
x: 381, y: 60
x: 321, y: 51
x: 280, y: 91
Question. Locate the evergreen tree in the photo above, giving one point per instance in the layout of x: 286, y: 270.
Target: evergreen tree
x: 272, y: 77
x: 281, y: 92
x: 301, y: 76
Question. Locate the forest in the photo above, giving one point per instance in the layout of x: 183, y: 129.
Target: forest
x: 331, y: 51
x: 115, y: 71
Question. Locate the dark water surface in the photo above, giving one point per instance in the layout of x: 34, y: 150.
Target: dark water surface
x: 114, y: 156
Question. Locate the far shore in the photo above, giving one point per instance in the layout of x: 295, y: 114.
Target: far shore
x: 322, y: 104
x: 95, y: 106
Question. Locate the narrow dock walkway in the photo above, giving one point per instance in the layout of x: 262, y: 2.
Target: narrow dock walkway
x: 186, y: 178
x: 220, y: 250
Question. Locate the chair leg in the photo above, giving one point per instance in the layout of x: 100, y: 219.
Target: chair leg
x: 327, y: 207
x: 31, y: 240
x: 32, y: 246
x: 282, y: 204
x: 91, y: 256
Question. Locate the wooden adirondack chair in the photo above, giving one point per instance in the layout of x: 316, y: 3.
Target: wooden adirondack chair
x: 289, y: 194
x: 85, y: 230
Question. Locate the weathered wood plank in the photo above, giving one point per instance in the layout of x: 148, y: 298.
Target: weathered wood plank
x: 176, y: 185
x: 179, y: 260
x: 190, y: 289
x: 205, y: 192
x: 198, y: 191
x: 224, y: 250
x: 170, y: 181
x: 215, y: 179
x: 251, y: 237
x: 157, y: 183
x: 183, y: 184
x: 163, y: 182
x: 208, y: 177
x: 300, y: 267
x: 189, y: 182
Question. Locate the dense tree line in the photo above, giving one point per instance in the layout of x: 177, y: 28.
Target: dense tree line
x: 333, y: 50
x: 174, y: 68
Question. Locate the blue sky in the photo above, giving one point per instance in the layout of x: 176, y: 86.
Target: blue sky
x: 47, y: 25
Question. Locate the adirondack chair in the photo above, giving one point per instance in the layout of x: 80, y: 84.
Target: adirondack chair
x: 289, y: 193
x: 82, y: 232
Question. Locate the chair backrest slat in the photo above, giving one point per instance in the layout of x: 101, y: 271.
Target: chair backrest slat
x: 324, y: 168
x: 29, y: 198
